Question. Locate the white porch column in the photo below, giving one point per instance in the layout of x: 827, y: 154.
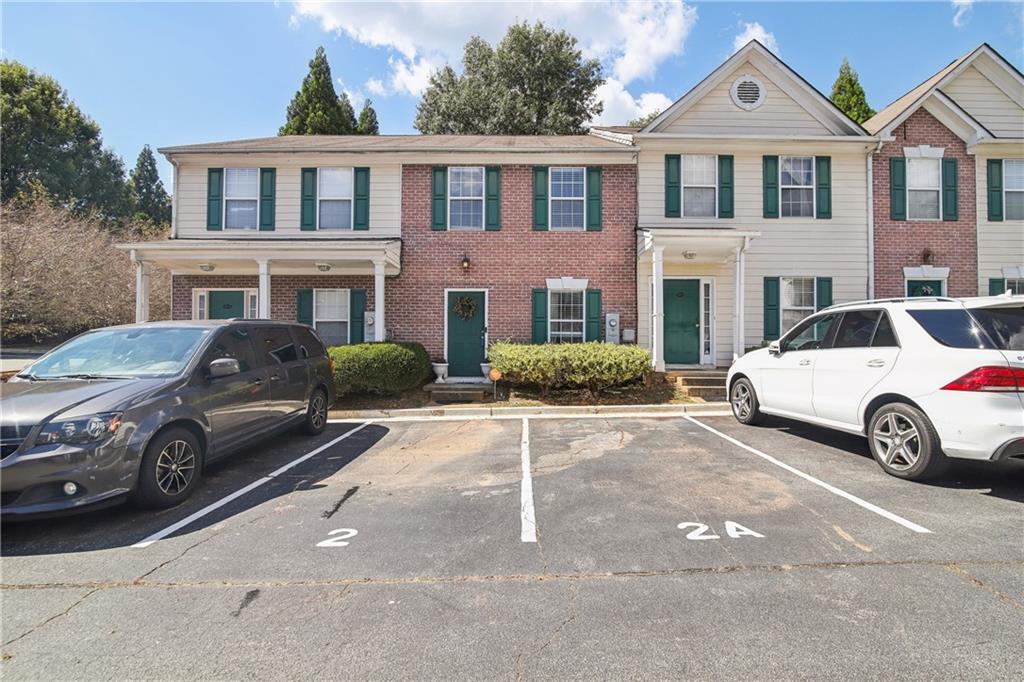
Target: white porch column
x: 658, y: 310
x: 141, y: 290
x: 263, y: 302
x: 378, y: 300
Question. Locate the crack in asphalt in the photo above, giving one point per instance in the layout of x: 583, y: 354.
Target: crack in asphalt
x: 955, y: 568
x: 55, y: 616
x: 573, y: 591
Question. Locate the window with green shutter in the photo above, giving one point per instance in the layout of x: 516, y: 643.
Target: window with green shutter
x: 214, y: 198
x: 361, y: 197
x: 771, y: 308
x: 539, y: 317
x: 594, y: 199
x: 540, y: 198
x: 995, y: 190
x: 949, y: 189
x: 770, y: 187
x: 898, y: 188
x: 357, y: 315
x: 823, y: 292
x: 726, y: 189
x: 673, y: 186
x: 439, y: 198
x: 823, y: 186
x: 492, y: 198
x: 996, y: 286
x: 268, y: 189
x: 593, y: 313
x: 307, y: 218
x: 304, y: 306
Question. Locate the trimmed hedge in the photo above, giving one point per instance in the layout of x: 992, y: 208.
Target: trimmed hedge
x: 383, y: 367
x: 594, y: 366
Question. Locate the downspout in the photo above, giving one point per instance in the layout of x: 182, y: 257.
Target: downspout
x: 174, y: 199
x: 871, y: 218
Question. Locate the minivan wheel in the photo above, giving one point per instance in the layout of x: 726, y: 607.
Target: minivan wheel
x: 904, y: 442
x: 316, y: 414
x: 744, y: 403
x: 170, y: 470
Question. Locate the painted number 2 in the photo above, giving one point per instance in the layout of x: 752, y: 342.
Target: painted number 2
x: 338, y: 538
x: 732, y: 529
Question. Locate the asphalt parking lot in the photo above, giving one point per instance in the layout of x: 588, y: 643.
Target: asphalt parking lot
x: 635, y: 547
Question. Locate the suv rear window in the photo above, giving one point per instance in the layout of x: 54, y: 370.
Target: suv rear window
x: 953, y: 327
x: 309, y: 345
x: 1005, y: 326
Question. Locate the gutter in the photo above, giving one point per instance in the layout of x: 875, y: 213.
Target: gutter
x: 620, y: 149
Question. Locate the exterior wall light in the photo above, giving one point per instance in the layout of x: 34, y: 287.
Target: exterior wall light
x: 465, y: 263
x: 689, y: 255
x: 207, y: 267
x: 323, y: 267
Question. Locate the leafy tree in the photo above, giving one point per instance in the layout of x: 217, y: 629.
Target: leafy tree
x: 848, y: 95
x: 644, y: 121
x: 368, y: 120
x: 48, y: 141
x: 348, y: 115
x: 316, y: 108
x: 149, y: 198
x: 535, y: 82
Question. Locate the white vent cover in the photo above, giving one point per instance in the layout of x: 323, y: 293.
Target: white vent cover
x: 747, y: 92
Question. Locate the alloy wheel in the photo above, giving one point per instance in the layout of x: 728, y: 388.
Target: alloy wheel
x: 897, y: 441
x: 741, y: 401
x: 175, y: 467
x: 318, y: 411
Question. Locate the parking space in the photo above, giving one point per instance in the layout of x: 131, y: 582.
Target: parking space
x: 405, y: 549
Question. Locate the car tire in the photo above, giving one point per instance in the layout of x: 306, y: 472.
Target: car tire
x: 743, y: 400
x: 170, y: 470
x: 315, y: 420
x: 904, y: 443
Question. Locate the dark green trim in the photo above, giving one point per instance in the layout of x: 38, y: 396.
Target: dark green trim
x: 770, y: 181
x: 304, y: 306
x: 726, y: 187
x: 539, y: 317
x: 823, y: 292
x: 996, y: 286
x: 540, y: 198
x: 356, y: 315
x: 492, y: 198
x: 823, y: 186
x: 898, y: 188
x: 439, y: 198
x: 268, y: 190
x: 593, y: 194
x: 771, y: 308
x: 949, y: 188
x: 361, y: 199
x: 307, y: 217
x: 214, y: 198
x: 995, y: 190
x: 592, y: 329
x: 673, y: 186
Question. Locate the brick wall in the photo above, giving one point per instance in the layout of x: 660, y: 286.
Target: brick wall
x: 900, y: 243
x: 282, y: 290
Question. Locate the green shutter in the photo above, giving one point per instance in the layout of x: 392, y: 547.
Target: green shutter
x: 725, y: 186
x: 996, y: 286
x: 771, y: 308
x: 214, y: 198
x: 823, y: 189
x: 898, y: 188
x: 361, y: 196
x: 304, y: 306
x: 539, y: 324
x: 540, y: 198
x: 949, y: 198
x: 594, y: 199
x: 673, y: 186
x: 593, y: 307
x: 356, y: 315
x: 439, y: 199
x: 268, y: 190
x: 995, y: 190
x: 770, y: 180
x: 823, y: 292
x: 492, y: 198
x: 308, y: 191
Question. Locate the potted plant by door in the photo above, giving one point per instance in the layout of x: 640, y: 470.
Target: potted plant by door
x: 441, y: 370
x: 485, y: 367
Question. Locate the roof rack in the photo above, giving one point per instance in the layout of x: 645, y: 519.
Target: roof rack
x: 870, y: 301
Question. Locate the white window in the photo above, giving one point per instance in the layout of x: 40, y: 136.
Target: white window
x: 466, y: 198
x: 334, y: 198
x: 1015, y: 285
x: 700, y: 185
x: 796, y: 183
x: 924, y: 182
x: 1013, y: 189
x: 565, y: 316
x: 567, y: 198
x: 330, y: 315
x: 241, y: 198
x: 796, y: 300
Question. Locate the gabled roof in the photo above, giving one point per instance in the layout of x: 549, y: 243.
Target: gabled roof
x: 809, y: 97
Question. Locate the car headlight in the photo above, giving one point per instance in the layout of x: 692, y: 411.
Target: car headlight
x: 91, y: 429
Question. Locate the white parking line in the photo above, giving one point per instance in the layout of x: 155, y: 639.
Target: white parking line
x: 159, y: 535
x: 509, y: 417
x: 807, y: 477
x: 526, y: 511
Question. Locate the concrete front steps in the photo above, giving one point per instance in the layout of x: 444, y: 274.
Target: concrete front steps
x: 705, y: 384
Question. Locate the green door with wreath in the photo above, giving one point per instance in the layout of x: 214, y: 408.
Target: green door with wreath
x: 225, y: 305
x: 924, y: 287
x: 466, y: 333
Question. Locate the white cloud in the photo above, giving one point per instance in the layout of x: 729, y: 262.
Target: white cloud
x: 963, y: 10
x: 376, y: 87
x: 755, y: 31
x: 620, y: 106
x: 411, y: 77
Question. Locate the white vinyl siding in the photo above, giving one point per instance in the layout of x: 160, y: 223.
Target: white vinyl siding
x: 331, y: 315
x: 566, y: 197
x: 796, y: 186
x: 700, y: 185
x: 985, y: 101
x: 241, y: 198
x: 924, y: 185
x: 334, y: 198
x: 566, y: 318
x: 1000, y: 243
x: 466, y: 198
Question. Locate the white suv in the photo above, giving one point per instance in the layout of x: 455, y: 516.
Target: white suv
x: 922, y: 378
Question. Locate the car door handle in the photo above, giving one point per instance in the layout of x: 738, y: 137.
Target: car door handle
x: 275, y: 377
x: 805, y: 362
x: 257, y: 381
x: 877, y: 362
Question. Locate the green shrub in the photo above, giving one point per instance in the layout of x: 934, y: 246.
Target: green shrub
x: 386, y: 367
x: 594, y: 366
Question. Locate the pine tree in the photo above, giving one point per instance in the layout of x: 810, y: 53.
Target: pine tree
x: 348, y: 115
x: 848, y: 95
x: 149, y: 197
x: 316, y: 109
x: 368, y: 120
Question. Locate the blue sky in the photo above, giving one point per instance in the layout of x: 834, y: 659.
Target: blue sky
x: 167, y: 74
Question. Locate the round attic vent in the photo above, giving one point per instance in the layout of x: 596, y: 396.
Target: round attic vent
x: 747, y: 92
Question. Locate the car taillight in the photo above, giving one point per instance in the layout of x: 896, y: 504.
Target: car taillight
x: 990, y: 378
x: 330, y: 364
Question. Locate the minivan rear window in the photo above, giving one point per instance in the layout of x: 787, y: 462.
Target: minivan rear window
x: 953, y: 327
x: 1005, y: 326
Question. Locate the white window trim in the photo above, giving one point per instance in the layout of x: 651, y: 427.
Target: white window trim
x: 224, y: 208
x: 782, y: 309
x: 937, y: 190
x: 1005, y: 190
x: 683, y: 186
x: 813, y: 188
x: 348, y: 306
x: 1010, y: 287
x: 201, y: 302
x: 351, y: 199
x: 482, y: 198
x: 583, y: 199
x: 551, y: 318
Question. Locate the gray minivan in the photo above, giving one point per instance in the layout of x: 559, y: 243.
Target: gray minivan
x: 135, y: 412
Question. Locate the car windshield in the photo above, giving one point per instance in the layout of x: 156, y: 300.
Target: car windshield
x: 121, y: 353
x: 1005, y: 326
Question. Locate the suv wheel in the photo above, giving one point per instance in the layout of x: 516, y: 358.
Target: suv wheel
x: 316, y: 414
x: 904, y: 442
x: 170, y: 470
x: 744, y: 403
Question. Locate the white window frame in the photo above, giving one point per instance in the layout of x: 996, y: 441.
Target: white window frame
x: 346, y: 293
x: 583, y: 320
x: 201, y: 302
x: 1005, y: 190
x: 683, y: 186
x: 810, y: 311
x: 351, y: 199
x: 583, y: 199
x: 937, y: 189
x: 482, y: 198
x: 1015, y: 285
x: 813, y: 187
x: 224, y: 208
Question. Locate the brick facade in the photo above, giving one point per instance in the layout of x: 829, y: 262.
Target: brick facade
x: 902, y: 243
x: 282, y: 290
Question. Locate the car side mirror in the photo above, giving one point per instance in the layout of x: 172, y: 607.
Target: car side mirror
x: 223, y: 367
x: 774, y: 348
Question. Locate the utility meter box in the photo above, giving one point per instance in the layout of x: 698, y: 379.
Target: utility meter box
x: 368, y: 326
x: 611, y: 327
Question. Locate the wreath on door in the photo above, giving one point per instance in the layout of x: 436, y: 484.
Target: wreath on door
x: 465, y: 307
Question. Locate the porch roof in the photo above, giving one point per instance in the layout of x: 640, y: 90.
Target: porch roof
x: 694, y: 245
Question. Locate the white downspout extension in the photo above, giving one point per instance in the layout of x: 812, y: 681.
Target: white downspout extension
x: 378, y: 301
x: 658, y: 304
x: 263, y: 297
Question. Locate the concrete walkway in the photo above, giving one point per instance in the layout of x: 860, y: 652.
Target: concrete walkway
x: 538, y: 410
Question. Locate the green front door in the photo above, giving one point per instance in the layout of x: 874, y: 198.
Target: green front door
x: 226, y: 304
x: 466, y: 315
x: 924, y: 287
x: 682, y: 321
